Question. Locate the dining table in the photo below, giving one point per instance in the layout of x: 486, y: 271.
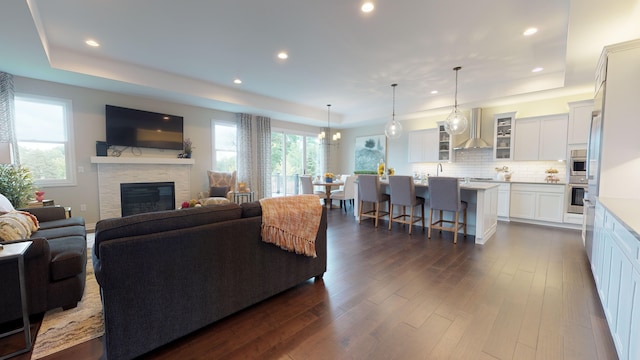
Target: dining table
x: 328, y: 186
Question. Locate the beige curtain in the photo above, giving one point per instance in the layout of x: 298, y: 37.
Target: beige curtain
x: 7, y: 115
x: 254, y: 153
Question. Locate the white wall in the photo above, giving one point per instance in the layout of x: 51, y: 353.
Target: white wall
x: 89, y: 127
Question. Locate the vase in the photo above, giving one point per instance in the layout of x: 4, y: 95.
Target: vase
x: 328, y: 180
x: 187, y: 155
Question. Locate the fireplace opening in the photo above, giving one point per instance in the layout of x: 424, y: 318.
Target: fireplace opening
x: 136, y: 198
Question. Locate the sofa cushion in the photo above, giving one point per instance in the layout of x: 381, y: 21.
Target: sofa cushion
x: 155, y: 222
x: 251, y: 209
x: 73, y: 221
x: 67, y: 257
x: 59, y: 232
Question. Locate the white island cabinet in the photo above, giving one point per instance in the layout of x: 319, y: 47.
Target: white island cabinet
x: 615, y: 264
x: 482, y: 210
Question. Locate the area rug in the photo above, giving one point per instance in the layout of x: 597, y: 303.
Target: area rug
x: 63, y: 329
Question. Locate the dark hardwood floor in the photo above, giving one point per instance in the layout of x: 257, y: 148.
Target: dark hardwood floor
x: 527, y: 294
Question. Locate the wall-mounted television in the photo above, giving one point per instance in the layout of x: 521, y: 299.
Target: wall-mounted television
x: 138, y: 128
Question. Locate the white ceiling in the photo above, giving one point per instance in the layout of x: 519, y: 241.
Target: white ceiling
x: 190, y: 51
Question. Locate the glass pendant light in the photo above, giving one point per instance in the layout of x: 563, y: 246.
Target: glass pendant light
x: 456, y: 122
x: 393, y: 129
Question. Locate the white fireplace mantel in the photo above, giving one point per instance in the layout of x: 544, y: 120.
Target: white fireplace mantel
x: 140, y: 160
x: 112, y: 171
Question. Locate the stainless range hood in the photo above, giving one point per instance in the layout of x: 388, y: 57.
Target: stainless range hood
x: 474, y: 141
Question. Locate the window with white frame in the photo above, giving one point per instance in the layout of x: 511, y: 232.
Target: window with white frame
x: 44, y: 129
x: 224, y: 146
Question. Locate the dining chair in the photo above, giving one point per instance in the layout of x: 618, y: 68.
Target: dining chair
x: 347, y: 192
x: 306, y: 186
x: 369, y: 192
x: 444, y: 195
x: 403, y: 193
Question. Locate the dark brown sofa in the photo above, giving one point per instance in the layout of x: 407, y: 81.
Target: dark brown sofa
x: 55, y: 266
x: 164, y: 275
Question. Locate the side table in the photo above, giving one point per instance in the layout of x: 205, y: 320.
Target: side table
x: 240, y: 197
x: 15, y: 252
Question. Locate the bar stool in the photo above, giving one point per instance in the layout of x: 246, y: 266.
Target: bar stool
x: 369, y: 191
x: 444, y: 195
x: 403, y: 193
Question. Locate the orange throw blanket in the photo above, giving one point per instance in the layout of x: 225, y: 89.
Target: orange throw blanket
x: 292, y: 222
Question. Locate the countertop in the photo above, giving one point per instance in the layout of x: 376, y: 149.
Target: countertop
x: 520, y: 182
x: 626, y: 211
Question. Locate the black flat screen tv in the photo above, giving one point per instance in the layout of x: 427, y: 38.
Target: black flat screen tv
x: 138, y: 128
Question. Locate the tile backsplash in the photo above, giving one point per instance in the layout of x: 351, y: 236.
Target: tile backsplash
x: 480, y: 163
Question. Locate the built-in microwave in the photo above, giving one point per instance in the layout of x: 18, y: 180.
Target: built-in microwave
x: 578, y: 163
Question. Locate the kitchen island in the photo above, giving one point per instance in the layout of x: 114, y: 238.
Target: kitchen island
x: 482, y: 210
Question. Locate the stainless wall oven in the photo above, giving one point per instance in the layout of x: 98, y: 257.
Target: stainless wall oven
x: 575, y: 204
x: 578, y: 163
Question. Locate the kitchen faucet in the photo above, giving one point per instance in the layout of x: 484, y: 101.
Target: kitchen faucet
x: 438, y: 169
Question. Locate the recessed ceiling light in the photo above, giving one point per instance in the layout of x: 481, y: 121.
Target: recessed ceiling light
x: 538, y: 69
x: 237, y: 81
x: 433, y: 92
x: 367, y: 7
x: 283, y: 55
x: 92, y: 43
x: 530, y: 31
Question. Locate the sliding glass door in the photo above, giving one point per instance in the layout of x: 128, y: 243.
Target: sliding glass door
x: 292, y: 155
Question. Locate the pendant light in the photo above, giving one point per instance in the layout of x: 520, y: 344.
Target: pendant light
x: 324, y: 137
x: 456, y: 122
x: 393, y: 129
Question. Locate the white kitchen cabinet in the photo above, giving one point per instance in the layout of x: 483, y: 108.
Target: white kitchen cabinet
x: 503, y: 135
x: 504, y: 196
x: 615, y: 264
x: 424, y: 145
x: 538, y: 202
x: 579, y: 122
x: 541, y: 138
x: 445, y: 146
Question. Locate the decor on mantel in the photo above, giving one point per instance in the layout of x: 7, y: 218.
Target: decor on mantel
x: 187, y: 147
x: 456, y: 122
x: 324, y: 136
x: 393, y: 129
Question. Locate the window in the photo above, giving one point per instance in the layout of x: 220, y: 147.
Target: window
x: 291, y: 156
x: 44, y: 129
x: 224, y: 146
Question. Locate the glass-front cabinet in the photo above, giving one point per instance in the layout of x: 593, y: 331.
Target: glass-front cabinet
x: 445, y: 150
x: 503, y: 136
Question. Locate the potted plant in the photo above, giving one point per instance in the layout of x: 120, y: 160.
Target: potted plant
x: 16, y: 184
x: 187, y: 148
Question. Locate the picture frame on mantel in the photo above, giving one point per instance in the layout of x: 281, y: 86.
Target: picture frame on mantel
x: 369, y: 152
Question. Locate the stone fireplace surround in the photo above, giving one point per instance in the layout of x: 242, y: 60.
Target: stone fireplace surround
x: 115, y: 170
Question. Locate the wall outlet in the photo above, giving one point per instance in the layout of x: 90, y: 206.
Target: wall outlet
x: 83, y: 207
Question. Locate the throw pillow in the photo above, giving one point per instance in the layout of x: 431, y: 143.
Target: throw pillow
x: 218, y: 191
x: 5, y: 205
x: 17, y: 225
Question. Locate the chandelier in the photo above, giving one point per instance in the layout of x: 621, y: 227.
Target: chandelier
x: 456, y: 122
x: 393, y: 129
x: 323, y: 136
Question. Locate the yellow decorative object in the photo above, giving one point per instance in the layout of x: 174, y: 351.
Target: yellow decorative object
x: 391, y: 171
x: 329, y: 175
x: 242, y: 186
x: 381, y: 169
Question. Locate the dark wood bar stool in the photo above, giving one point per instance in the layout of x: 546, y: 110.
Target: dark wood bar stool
x: 369, y: 191
x: 444, y: 195
x: 403, y: 193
